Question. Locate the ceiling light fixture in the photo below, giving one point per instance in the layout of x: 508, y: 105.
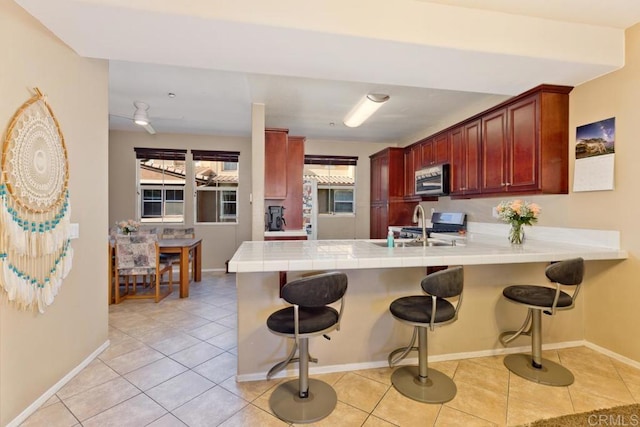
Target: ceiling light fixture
x: 140, y: 117
x: 364, y: 109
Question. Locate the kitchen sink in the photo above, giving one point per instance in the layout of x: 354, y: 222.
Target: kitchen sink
x: 415, y: 244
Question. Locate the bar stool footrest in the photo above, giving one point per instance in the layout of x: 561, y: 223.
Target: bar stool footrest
x: 551, y: 373
x: 286, y: 403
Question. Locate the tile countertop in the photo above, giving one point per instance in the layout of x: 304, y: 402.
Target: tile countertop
x: 484, y: 244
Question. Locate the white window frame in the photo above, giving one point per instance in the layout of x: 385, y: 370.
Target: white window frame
x: 334, y: 188
x: 163, y: 218
x: 219, y: 189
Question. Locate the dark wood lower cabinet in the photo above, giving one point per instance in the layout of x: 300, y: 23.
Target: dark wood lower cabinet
x: 383, y: 215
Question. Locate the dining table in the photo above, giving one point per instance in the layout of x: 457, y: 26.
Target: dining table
x: 183, y: 247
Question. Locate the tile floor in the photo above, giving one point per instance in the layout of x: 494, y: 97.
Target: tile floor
x: 173, y: 364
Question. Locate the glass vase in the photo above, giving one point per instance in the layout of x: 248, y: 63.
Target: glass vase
x: 516, y: 233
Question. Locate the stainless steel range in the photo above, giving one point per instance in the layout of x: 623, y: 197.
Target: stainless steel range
x: 442, y: 222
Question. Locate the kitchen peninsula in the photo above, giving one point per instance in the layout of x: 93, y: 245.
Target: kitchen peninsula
x: 377, y: 275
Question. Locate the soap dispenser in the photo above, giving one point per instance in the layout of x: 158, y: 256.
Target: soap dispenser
x: 390, y: 238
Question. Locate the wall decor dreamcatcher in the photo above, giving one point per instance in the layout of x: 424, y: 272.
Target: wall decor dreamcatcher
x: 35, y: 250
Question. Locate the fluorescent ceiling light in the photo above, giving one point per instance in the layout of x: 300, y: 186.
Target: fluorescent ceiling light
x: 140, y: 116
x: 364, y: 109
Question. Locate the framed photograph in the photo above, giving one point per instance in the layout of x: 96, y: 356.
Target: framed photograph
x: 595, y: 148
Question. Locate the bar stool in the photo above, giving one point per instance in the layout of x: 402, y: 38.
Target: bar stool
x: 306, y: 400
x: 421, y: 311
x: 547, y: 300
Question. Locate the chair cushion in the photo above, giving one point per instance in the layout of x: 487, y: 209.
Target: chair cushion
x: 418, y: 309
x: 540, y: 296
x: 312, y: 319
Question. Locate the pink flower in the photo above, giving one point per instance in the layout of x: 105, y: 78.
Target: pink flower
x: 535, y: 209
x: 516, y: 205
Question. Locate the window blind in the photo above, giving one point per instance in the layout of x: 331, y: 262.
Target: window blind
x: 216, y: 156
x: 160, y: 153
x: 312, y: 159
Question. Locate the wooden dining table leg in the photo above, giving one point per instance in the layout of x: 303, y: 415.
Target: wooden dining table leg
x: 197, y: 263
x: 184, y: 272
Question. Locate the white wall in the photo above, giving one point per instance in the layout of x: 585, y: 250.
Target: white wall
x: 37, y: 350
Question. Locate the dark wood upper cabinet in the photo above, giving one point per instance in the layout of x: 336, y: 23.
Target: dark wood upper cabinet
x: 412, y: 162
x: 275, y: 156
x: 426, y: 151
x: 525, y: 144
x: 387, y: 174
x: 295, y: 168
x: 435, y: 150
x: 441, y: 150
x: 283, y: 168
x: 494, y: 152
x: 520, y: 146
x: 465, y: 158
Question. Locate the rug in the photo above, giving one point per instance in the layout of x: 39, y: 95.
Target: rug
x: 626, y: 415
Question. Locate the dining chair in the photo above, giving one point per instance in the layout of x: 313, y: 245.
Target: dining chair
x: 139, y: 255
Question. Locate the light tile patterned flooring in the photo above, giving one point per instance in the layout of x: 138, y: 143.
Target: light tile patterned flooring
x: 173, y: 364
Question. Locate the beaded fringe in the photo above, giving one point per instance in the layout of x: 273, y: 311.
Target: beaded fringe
x: 35, y: 253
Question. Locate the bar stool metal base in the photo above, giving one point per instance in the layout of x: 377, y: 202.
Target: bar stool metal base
x: 551, y: 373
x: 286, y: 403
x: 438, y: 388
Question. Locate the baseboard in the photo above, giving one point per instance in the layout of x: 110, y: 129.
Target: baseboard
x: 57, y: 386
x: 613, y: 355
x: 292, y: 372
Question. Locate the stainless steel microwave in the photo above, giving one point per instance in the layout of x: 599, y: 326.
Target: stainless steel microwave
x: 433, y: 181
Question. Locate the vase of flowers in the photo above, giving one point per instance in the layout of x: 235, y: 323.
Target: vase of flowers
x: 128, y: 226
x: 518, y: 213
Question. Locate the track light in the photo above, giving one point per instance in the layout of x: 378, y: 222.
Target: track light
x: 140, y: 116
x: 364, y: 109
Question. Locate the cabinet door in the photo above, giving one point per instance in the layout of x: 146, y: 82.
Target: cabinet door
x: 295, y: 167
x: 458, y: 160
x: 523, y: 145
x: 441, y: 148
x: 465, y: 158
x: 379, y: 219
x: 275, y: 157
x: 473, y: 164
x: 494, y: 151
x: 379, y: 178
x: 426, y: 153
x: 376, y: 193
x: 409, y: 173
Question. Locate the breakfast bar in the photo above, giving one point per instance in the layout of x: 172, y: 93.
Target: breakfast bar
x: 377, y: 275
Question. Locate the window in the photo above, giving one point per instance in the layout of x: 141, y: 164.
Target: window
x: 161, y: 180
x: 335, y: 176
x: 216, y: 185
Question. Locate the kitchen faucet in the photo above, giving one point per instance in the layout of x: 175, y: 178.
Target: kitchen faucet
x: 418, y: 212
